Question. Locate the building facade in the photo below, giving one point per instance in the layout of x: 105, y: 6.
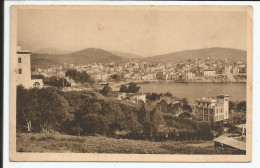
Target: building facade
x: 209, y: 72
x: 213, y: 109
x: 24, y: 70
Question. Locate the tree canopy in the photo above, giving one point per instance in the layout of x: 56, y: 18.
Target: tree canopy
x: 56, y: 82
x: 43, y: 108
x: 131, y: 88
x: 79, y: 77
x: 81, y: 113
x: 106, y: 89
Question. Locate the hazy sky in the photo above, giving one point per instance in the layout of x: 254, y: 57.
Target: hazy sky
x: 142, y: 32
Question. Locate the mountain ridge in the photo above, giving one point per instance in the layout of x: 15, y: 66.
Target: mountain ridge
x: 213, y: 52
x: 96, y: 55
x: 126, y: 55
x: 51, y: 50
x: 85, y: 56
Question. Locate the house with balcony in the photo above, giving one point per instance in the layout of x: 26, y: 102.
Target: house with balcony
x: 213, y: 109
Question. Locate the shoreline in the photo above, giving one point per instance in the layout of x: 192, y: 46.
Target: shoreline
x: 166, y: 81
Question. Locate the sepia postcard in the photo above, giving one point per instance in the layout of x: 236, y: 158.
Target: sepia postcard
x: 131, y: 83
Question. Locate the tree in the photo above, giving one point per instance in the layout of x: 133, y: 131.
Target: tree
x: 142, y: 114
x: 85, y: 78
x: 52, y: 109
x: 106, y: 89
x: 168, y: 94
x: 133, y: 88
x: 96, y: 107
x: 37, y: 77
x: 123, y: 88
x: 103, y: 125
x: 205, y: 132
x: 148, y: 129
x: 56, y: 82
x: 41, y: 109
x: 136, y: 129
x: 90, y: 124
x: 116, y: 77
x: 184, y: 101
x: 231, y: 106
x: 187, y: 108
x: 156, y: 117
x: 176, y: 107
x: 71, y: 73
x: 79, y: 77
x: 185, y: 115
x: 153, y: 96
x: 25, y: 108
x: 241, y: 106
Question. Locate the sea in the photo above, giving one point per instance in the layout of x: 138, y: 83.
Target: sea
x: 194, y: 91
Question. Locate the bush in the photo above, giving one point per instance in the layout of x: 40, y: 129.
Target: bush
x: 46, y: 138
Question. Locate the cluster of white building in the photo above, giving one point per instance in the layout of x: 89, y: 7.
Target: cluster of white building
x: 142, y: 71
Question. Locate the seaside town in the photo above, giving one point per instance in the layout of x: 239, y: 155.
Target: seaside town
x: 172, y: 118
x: 197, y: 70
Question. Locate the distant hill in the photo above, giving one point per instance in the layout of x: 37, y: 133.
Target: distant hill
x: 177, y: 57
x: 92, y: 55
x: 125, y: 55
x: 51, y: 50
x: 86, y: 56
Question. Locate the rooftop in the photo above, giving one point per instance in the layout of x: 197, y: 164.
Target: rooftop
x: 19, y: 49
x: 222, y: 96
x: 206, y: 100
x: 231, y: 141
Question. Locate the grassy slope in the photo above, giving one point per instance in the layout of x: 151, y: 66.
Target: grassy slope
x: 90, y: 144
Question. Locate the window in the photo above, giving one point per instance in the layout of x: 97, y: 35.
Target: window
x: 19, y: 60
x: 20, y: 70
x: 210, y: 118
x: 36, y: 84
x: 205, y: 117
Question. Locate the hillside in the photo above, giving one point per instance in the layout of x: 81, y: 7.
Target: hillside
x: 177, y: 57
x: 51, y: 50
x: 92, y: 55
x: 125, y: 55
x: 86, y: 56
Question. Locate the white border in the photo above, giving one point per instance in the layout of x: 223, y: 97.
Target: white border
x: 256, y: 98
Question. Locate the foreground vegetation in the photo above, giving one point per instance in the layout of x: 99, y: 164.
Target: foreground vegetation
x: 88, y: 113
x: 96, y: 122
x: 31, y: 142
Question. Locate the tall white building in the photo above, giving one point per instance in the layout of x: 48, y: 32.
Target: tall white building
x: 24, y: 70
x: 223, y: 102
x: 214, y: 109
